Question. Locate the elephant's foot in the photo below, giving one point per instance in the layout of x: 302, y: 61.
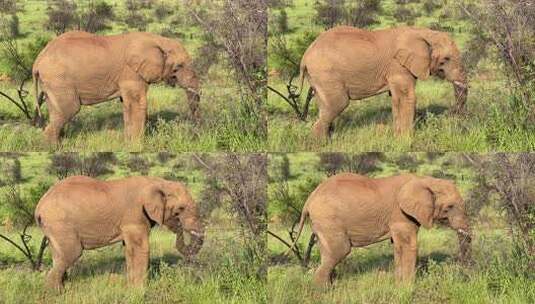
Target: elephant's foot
x: 52, y: 140
x: 321, y: 132
x: 54, y: 282
x: 323, y: 278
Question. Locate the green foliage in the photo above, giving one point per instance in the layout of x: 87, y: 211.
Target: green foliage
x: 406, y: 15
x: 162, y: 11
x: 19, y: 58
x: 61, y: 15
x: 285, y: 55
x: 8, y: 6
x: 14, y: 30
x: 96, y: 17
x: 282, y: 22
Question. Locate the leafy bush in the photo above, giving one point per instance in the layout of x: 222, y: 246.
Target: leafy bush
x: 364, y: 13
x: 285, y: 56
x: 404, y: 14
x: 96, y: 17
x: 19, y: 58
x: 14, y: 29
x: 162, y: 11
x: 430, y: 5
x: 61, y: 16
x: 63, y: 165
x: 137, y: 163
x: 8, y: 6
x: 281, y: 22
x: 330, y: 12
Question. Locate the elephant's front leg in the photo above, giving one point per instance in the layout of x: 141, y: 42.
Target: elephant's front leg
x: 405, y: 252
x: 402, y: 88
x: 137, y: 254
x: 134, y: 96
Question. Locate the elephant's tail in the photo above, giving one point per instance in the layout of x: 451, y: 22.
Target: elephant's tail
x: 38, y: 96
x: 304, y: 215
x: 302, y: 75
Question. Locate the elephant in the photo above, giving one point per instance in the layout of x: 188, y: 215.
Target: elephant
x: 82, y: 213
x: 350, y: 210
x: 346, y: 63
x: 79, y: 68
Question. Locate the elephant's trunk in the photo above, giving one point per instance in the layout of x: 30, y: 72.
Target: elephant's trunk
x: 194, y: 246
x: 194, y: 98
x: 465, y: 246
x: 461, y: 94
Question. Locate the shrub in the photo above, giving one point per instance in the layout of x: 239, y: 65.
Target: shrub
x: 14, y: 29
x: 137, y: 163
x: 63, y: 165
x: 19, y: 58
x: 329, y: 12
x: 430, y: 5
x: 404, y: 14
x: 162, y: 11
x: 134, y: 17
x: 281, y: 22
x: 96, y: 17
x: 61, y: 16
x: 507, y: 26
x: 364, y: 13
x: 8, y: 6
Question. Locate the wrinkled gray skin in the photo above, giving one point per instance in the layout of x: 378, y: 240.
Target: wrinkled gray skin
x: 80, y: 213
x: 349, y: 210
x: 347, y: 63
x: 79, y: 68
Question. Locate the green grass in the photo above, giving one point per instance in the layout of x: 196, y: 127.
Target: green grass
x: 100, y: 127
x: 366, y: 275
x: 99, y: 276
x: 366, y: 125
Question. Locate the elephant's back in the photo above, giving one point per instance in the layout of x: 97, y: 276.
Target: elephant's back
x: 70, y: 196
x: 340, y: 190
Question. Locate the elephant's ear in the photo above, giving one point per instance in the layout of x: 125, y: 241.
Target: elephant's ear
x: 170, y: 58
x: 154, y: 204
x: 147, y: 62
x: 414, y: 54
x: 417, y: 200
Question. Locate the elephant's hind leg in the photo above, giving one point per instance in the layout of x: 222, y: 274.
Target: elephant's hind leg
x: 62, y: 106
x: 331, y: 103
x: 66, y: 249
x: 333, y: 249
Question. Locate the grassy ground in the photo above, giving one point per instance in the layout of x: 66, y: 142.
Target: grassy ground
x: 225, y: 126
x: 366, y: 275
x: 221, y: 273
x: 99, y: 276
x: 366, y: 125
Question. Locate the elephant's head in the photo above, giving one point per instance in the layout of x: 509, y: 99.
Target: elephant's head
x: 164, y: 59
x: 428, y: 200
x: 425, y: 52
x: 178, y: 69
x: 170, y: 204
